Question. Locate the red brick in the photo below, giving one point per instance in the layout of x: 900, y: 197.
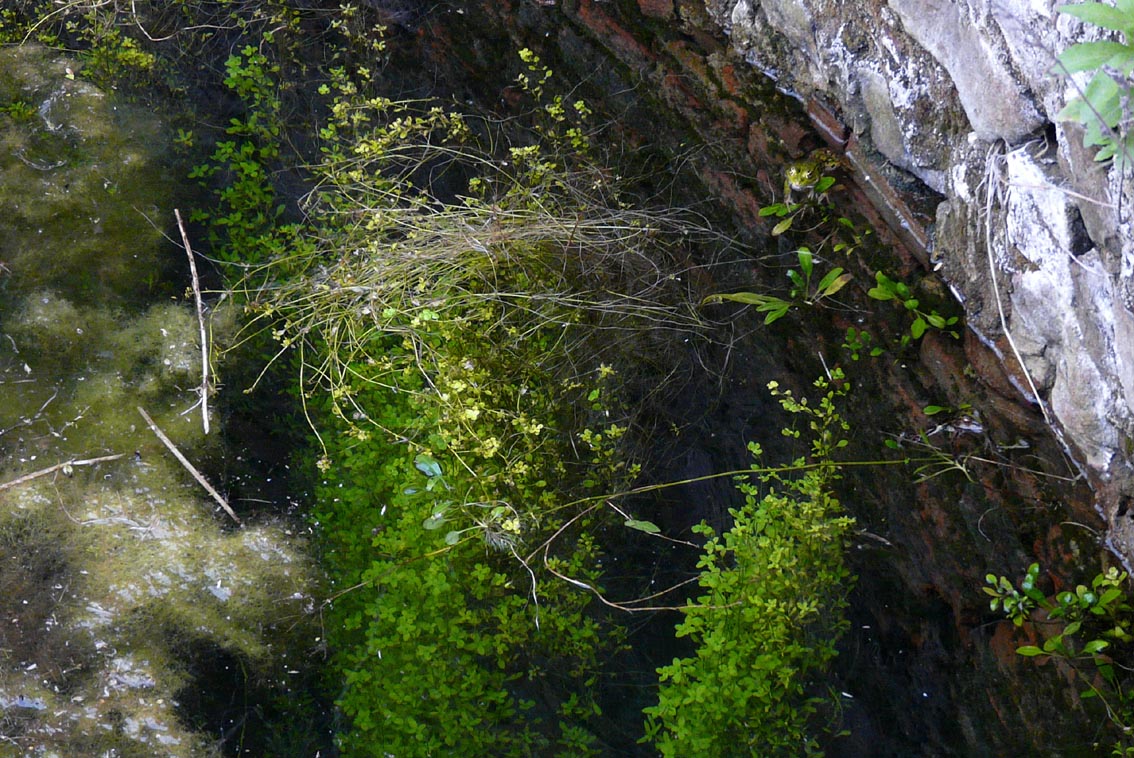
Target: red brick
x: 656, y: 8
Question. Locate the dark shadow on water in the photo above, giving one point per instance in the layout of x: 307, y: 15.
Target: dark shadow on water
x: 284, y: 718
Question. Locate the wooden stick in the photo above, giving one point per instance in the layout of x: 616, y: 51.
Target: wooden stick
x: 188, y: 466
x: 200, y: 322
x: 57, y: 467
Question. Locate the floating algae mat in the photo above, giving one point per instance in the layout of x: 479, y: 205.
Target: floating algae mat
x: 115, y: 575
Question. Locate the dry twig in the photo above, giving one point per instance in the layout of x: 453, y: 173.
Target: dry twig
x: 188, y: 466
x: 57, y: 467
x: 200, y: 322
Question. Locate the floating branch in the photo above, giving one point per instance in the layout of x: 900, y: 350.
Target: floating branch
x: 200, y: 322
x: 58, y: 467
x: 188, y: 466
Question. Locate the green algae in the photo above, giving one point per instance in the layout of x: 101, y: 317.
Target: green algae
x: 75, y: 181
x: 110, y: 572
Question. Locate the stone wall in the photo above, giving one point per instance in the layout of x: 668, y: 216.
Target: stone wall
x: 1032, y: 235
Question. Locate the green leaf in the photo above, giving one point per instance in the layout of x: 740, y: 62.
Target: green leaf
x: 775, y: 314
x: 1102, y: 96
x: 776, y: 209
x: 1073, y: 111
x: 824, y: 184
x: 452, y: 538
x: 805, y: 261
x: 1029, y: 651
x: 917, y: 328
x: 936, y: 320
x: 932, y: 410
x: 885, y: 288
x: 434, y: 521
x: 838, y: 280
x: 1094, y: 646
x: 426, y: 465
x: 747, y: 298
x: 1087, y: 56
x: 782, y: 227
x: 648, y: 527
x: 1101, y: 15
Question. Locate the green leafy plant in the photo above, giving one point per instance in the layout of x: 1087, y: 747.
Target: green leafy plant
x: 244, y: 225
x: 1092, y: 624
x: 946, y: 410
x: 1105, y: 106
x: 802, y: 290
x: 887, y: 289
x: 858, y: 341
x: 841, y: 235
x: 789, y: 212
x: 447, y: 304
x: 18, y: 110
x: 774, y: 587
x: 809, y: 180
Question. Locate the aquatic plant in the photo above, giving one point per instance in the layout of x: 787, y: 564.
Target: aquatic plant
x: 118, y: 584
x: 449, y: 306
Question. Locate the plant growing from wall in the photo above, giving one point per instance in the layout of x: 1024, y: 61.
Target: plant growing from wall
x: 891, y: 290
x: 774, y: 588
x: 807, y: 183
x: 1105, y: 106
x: 1089, y: 628
x: 858, y: 342
x: 802, y: 291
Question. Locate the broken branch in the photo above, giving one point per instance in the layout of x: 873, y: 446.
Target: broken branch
x: 188, y: 466
x: 57, y: 467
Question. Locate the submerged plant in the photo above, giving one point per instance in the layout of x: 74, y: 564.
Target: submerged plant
x: 450, y: 304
